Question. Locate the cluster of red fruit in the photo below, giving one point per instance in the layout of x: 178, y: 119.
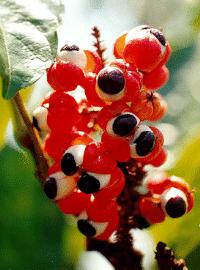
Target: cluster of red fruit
x: 85, y: 178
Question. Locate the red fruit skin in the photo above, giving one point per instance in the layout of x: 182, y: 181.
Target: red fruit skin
x: 133, y: 79
x: 54, y: 168
x: 97, y: 159
x: 97, y: 64
x: 151, y: 210
x: 156, y: 78
x: 63, y: 112
x: 142, y: 106
x: 119, y: 45
x: 64, y: 76
x: 158, y: 186
x: 104, y: 211
x: 143, y: 50
x: 74, y: 204
x: 166, y: 55
x: 114, y: 188
x: 56, y: 144
x: 119, y: 63
x: 159, y: 108
x: 149, y: 106
x: 133, y: 84
x: 160, y: 159
x: 159, y: 140
x: 118, y: 147
x: 89, y: 86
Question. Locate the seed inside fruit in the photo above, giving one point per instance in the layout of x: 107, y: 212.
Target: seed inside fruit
x: 176, y: 207
x: 68, y: 164
x: 111, y: 80
x: 124, y: 124
x: 86, y: 228
x: 145, y: 143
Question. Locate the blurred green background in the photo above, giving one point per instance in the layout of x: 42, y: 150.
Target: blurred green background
x: 33, y: 233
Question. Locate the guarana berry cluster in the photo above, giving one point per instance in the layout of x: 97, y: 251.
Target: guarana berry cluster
x: 93, y: 124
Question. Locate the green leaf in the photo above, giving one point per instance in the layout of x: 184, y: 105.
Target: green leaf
x: 31, y: 226
x: 28, y: 41
x: 183, y: 234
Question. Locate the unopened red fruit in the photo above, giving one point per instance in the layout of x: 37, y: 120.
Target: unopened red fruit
x: 64, y: 76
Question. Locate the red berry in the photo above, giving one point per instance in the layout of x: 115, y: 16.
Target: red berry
x: 110, y: 84
x: 157, y: 78
x: 118, y: 147
x: 90, y: 90
x: 100, y: 219
x: 160, y: 159
x: 114, y: 188
x: 144, y: 48
x: 149, y: 106
x: 58, y: 185
x: 174, y: 202
x: 142, y: 142
x: 75, y: 203
x: 159, y: 140
x: 64, y: 76
x: 150, y: 209
x: 133, y: 84
x: 63, y: 112
x: 97, y: 159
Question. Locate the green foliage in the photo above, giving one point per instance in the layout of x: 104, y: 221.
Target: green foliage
x: 184, y: 234
x: 31, y: 227
x: 33, y: 232
x: 28, y: 41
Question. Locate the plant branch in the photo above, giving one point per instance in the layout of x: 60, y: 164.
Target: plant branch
x: 98, y: 43
x: 121, y: 252
x: 166, y: 259
x: 40, y: 159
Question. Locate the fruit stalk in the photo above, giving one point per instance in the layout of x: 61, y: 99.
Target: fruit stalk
x: 40, y: 160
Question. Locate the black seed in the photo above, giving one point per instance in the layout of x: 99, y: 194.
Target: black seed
x: 88, y: 183
x: 68, y: 164
x: 69, y: 48
x: 159, y: 35
x: 86, y: 228
x: 175, y: 207
x: 124, y: 124
x: 35, y: 123
x: 145, y: 143
x: 50, y: 188
x: 141, y: 222
x: 111, y: 81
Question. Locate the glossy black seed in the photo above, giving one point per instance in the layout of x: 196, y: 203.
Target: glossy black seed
x: 68, y: 164
x: 86, y: 228
x: 159, y: 35
x: 145, y: 143
x: 88, y: 183
x: 175, y: 207
x: 70, y: 48
x: 124, y: 124
x: 111, y: 81
x: 35, y: 124
x: 50, y: 188
x: 141, y: 222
